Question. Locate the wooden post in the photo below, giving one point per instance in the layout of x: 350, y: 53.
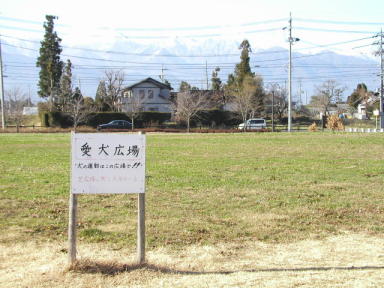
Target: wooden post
x: 72, y: 228
x: 141, y: 229
x: 141, y: 226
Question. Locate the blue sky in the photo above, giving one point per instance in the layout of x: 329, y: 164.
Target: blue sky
x: 90, y: 23
x: 345, y: 27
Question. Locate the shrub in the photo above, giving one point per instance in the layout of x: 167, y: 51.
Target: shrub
x: 335, y: 123
x: 312, y: 127
x: 145, y: 119
x: 149, y: 119
x: 55, y: 119
x: 216, y: 118
x: 98, y: 118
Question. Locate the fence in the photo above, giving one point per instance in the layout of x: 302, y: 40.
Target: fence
x: 365, y: 130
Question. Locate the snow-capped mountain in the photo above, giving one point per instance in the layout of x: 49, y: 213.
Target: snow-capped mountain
x: 193, y: 61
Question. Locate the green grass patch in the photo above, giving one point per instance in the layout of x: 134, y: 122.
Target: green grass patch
x: 203, y: 188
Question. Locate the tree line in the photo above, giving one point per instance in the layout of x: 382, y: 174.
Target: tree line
x: 244, y: 91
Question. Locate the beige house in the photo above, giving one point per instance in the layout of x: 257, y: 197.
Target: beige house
x: 147, y: 95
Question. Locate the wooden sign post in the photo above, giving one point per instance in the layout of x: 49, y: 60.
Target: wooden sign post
x: 72, y: 228
x: 106, y: 163
x: 141, y: 229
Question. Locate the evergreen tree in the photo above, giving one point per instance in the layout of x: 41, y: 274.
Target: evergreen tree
x: 244, y: 88
x: 358, y: 95
x: 49, y: 62
x: 77, y: 95
x: 66, y: 86
x: 184, y: 86
x: 101, y: 97
x: 243, y: 68
x: 216, y: 82
x: 231, y: 80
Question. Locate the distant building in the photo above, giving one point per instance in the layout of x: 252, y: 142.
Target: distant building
x: 147, y: 95
x: 361, y: 111
x: 30, y: 111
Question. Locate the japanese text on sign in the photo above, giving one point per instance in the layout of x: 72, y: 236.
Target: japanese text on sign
x: 108, y: 163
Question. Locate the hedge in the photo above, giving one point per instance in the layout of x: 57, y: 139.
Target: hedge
x: 144, y: 119
x: 55, y: 119
x: 98, y: 118
x: 63, y: 120
x: 216, y: 117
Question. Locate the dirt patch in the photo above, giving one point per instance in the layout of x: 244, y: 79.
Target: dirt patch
x: 349, y: 260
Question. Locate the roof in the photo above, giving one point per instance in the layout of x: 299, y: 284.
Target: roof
x: 151, y: 80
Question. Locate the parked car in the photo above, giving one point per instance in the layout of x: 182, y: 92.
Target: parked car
x: 116, y: 124
x: 255, y: 123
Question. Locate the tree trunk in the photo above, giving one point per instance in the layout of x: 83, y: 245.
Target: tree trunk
x: 188, y: 120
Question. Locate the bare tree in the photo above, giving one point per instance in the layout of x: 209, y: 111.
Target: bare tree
x: 79, y: 108
x: 189, y: 103
x: 17, y: 99
x: 280, y: 100
x: 247, y: 97
x: 135, y: 105
x: 254, y: 86
x: 114, y: 84
x: 329, y: 93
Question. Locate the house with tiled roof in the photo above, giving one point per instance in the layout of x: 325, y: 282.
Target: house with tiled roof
x: 146, y: 96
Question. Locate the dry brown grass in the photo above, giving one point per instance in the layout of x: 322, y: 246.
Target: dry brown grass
x: 349, y: 260
x: 312, y: 127
x: 335, y: 123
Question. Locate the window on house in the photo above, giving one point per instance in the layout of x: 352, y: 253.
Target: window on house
x: 150, y: 94
x: 141, y: 94
x: 126, y: 94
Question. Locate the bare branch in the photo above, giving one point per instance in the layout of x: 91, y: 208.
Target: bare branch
x: 114, y: 83
x: 328, y: 93
x: 189, y: 103
x: 17, y: 99
x: 135, y: 105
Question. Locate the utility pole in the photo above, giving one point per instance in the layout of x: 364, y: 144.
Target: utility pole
x: 2, y: 91
x: 300, y: 92
x: 381, y: 81
x: 290, y: 40
x: 206, y: 73
x: 273, y: 110
x: 290, y: 75
x: 161, y: 76
x: 162, y: 73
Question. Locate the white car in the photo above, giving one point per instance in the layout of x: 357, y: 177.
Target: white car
x: 255, y: 123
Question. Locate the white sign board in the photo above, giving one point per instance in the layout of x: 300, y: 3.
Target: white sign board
x: 107, y: 163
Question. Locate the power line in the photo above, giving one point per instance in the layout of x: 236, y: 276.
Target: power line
x: 334, y: 44
x: 334, y: 30
x: 189, y: 55
x: 339, y: 22
x: 141, y: 29
x: 153, y: 63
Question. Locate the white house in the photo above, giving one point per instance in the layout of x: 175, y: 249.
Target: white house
x: 361, y: 111
x: 30, y: 111
x: 147, y: 95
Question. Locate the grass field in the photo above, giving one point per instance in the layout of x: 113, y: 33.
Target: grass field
x: 203, y: 189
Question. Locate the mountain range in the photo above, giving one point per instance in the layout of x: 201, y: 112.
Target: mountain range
x: 193, y: 61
